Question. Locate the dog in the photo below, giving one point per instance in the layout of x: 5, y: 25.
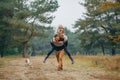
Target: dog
x: 28, y: 61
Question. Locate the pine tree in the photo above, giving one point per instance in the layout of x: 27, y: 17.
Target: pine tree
x: 102, y: 17
x: 88, y: 29
x: 111, y: 12
x: 30, y: 19
x: 21, y: 20
x: 6, y: 12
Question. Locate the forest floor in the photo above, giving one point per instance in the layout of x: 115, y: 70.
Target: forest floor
x: 15, y: 68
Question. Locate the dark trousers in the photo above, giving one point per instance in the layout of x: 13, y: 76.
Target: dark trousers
x: 58, y: 48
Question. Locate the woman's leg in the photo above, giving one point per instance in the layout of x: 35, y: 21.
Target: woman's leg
x: 48, y: 55
x: 66, y: 51
x: 50, y: 52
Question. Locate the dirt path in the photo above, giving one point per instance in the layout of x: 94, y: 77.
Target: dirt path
x: 18, y: 70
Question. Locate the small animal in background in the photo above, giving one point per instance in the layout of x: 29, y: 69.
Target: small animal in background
x: 28, y: 61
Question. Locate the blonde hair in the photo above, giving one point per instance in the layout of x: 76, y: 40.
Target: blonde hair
x: 60, y: 31
x: 60, y: 27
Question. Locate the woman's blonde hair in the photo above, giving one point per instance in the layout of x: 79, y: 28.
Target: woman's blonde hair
x: 60, y: 28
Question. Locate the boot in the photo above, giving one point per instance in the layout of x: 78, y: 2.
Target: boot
x: 72, y: 61
x: 45, y: 59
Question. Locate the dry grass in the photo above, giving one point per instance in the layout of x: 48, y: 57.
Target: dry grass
x: 2, y: 62
x: 82, y: 61
x: 6, y: 59
x: 85, y: 68
x: 109, y: 77
x: 111, y: 63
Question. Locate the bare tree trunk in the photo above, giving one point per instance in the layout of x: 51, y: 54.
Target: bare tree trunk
x: 25, y: 49
x: 2, y: 52
x: 103, y: 49
x: 2, y: 49
x: 33, y: 50
x: 24, y: 43
x: 113, y: 52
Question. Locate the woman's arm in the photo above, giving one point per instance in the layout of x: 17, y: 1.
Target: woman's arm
x: 57, y: 41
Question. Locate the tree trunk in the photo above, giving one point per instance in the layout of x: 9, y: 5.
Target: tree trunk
x: 2, y: 52
x: 33, y: 51
x: 113, y: 52
x: 103, y: 50
x: 25, y: 49
x: 2, y: 49
x: 113, y: 48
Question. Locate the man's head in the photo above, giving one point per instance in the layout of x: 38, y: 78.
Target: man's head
x: 56, y: 37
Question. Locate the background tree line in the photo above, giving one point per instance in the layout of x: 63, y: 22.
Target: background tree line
x: 24, y: 27
x: 21, y: 20
x: 42, y: 45
x: 99, y: 31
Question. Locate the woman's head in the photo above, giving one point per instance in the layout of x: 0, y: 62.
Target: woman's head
x: 60, y: 30
x: 60, y: 27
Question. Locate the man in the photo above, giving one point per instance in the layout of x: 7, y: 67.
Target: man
x: 59, y: 44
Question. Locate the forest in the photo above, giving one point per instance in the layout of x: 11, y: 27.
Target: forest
x: 26, y: 31
x: 25, y: 28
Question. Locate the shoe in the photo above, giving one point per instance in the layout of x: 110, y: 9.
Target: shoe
x: 60, y: 68
x: 44, y: 61
x: 72, y: 62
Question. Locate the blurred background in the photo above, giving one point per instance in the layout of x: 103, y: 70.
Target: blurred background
x: 27, y: 26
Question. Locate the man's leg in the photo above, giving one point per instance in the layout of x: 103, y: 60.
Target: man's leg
x: 61, y: 53
x: 57, y: 55
x: 66, y: 51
